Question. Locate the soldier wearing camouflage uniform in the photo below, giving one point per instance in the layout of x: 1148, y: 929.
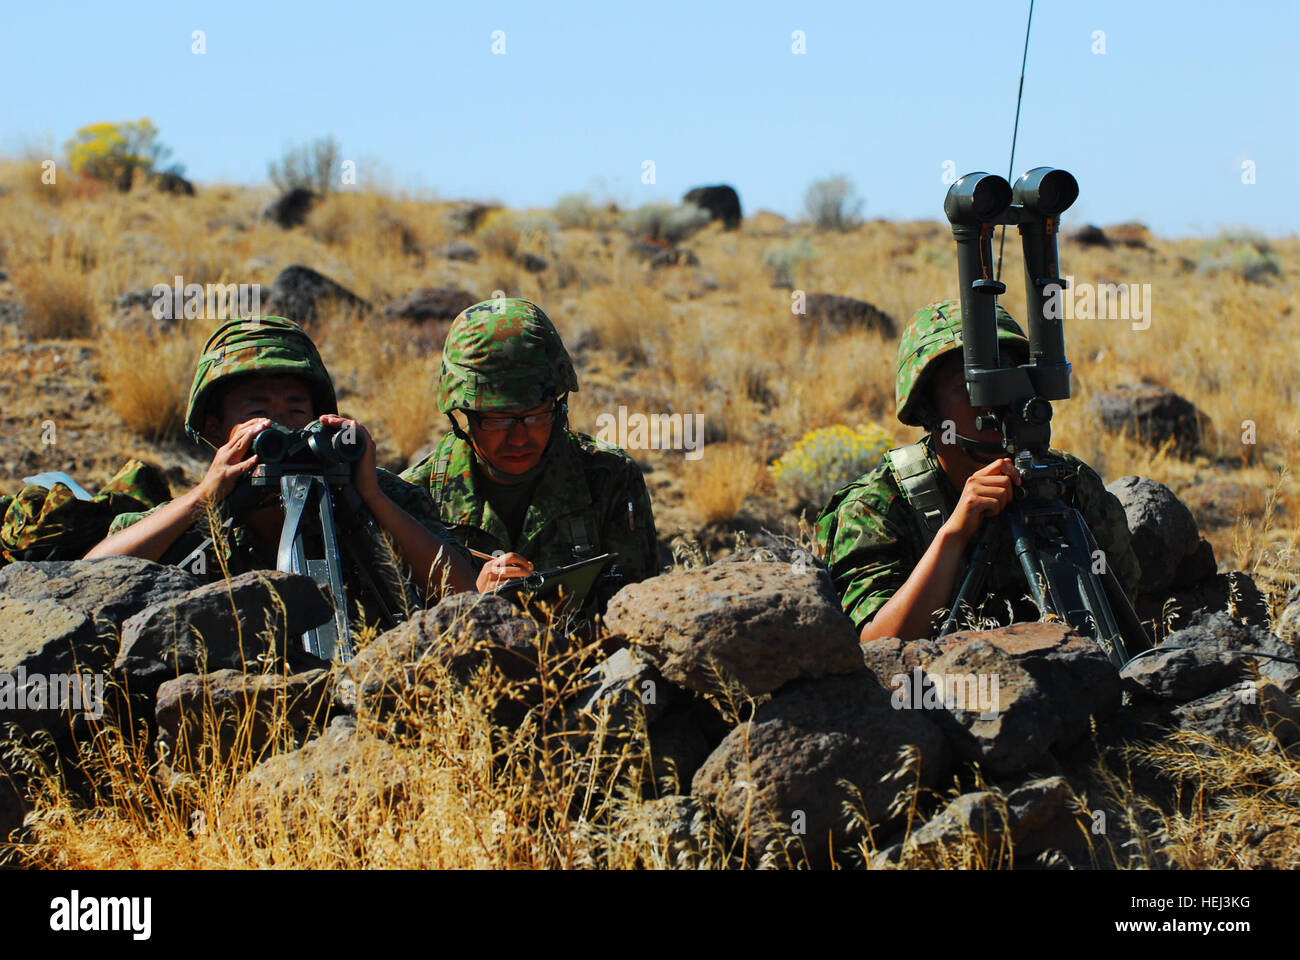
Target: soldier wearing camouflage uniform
x: 897, y: 540
x: 511, y: 479
x: 252, y: 373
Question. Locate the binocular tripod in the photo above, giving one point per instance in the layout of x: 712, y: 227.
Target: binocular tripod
x: 1066, y: 575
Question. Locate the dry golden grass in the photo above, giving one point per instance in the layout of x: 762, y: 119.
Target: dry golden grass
x: 147, y: 380
x: 54, y: 294
x: 722, y: 478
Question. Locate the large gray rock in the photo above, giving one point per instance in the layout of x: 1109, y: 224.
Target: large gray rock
x: 1228, y: 715
x: 290, y: 208
x: 759, y: 625
x: 431, y: 304
x: 1233, y: 594
x: 1152, y: 414
x: 777, y: 777
x: 1032, y: 818
x: 95, y: 597
x: 459, y: 635
x: 1162, y: 528
x: 681, y: 834
x: 230, y: 712
x: 237, y: 625
x: 832, y: 312
x: 328, y: 783
x: 992, y: 710
x: 300, y: 292
x: 1180, y: 675
x: 1217, y: 634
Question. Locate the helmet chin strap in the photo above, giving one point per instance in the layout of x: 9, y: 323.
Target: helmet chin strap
x: 981, y: 451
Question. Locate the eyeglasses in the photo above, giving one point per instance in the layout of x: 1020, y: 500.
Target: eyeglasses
x: 502, y: 424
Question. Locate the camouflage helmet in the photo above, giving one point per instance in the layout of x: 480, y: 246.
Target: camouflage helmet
x: 503, y: 354
x: 935, y: 330
x: 271, y: 345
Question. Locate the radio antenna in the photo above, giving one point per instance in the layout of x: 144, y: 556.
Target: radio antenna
x: 1015, y: 130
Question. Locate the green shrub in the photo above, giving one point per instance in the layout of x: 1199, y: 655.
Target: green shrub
x: 1246, y: 253
x: 112, y: 152
x: 660, y: 222
x: 781, y: 260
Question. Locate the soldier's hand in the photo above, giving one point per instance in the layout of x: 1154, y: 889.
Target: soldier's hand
x: 364, y: 476
x: 508, y: 566
x: 231, y: 461
x: 986, y: 494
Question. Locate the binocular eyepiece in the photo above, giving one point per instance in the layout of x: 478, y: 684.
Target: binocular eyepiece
x: 314, y: 446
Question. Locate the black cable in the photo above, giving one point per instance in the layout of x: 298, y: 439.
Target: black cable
x: 1011, y: 166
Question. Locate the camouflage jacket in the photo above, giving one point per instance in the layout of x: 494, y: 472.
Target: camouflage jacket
x: 41, y: 524
x: 871, y: 538
x: 242, y: 551
x: 579, y: 508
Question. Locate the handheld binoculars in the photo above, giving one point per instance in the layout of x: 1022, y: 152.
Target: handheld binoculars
x: 1019, y: 396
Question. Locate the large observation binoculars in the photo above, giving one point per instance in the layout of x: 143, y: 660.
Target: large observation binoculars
x: 1019, y: 396
x: 316, y: 448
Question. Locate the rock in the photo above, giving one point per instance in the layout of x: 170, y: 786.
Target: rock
x: 1090, y: 236
x: 1072, y: 670
x: 760, y: 625
x: 96, y: 593
x: 1228, y: 714
x: 300, y: 292
x: 1152, y: 414
x: 831, y: 312
x: 1233, y: 593
x: 1180, y: 674
x: 1032, y: 818
x: 531, y: 262
x: 799, y: 559
x: 1214, y: 635
x: 991, y: 709
x: 1163, y: 530
x: 1130, y: 234
x: 660, y: 255
x: 1197, y: 566
x: 468, y: 217
x: 890, y: 657
x: 459, y: 635
x: 459, y: 251
x: 290, y: 208
x: 1287, y: 626
x: 682, y: 833
x: 722, y: 202
x: 619, y: 691
x: 173, y: 183
x: 331, y: 780
x: 682, y: 740
x: 780, y: 772
x: 247, y: 710
x: 236, y: 625
x: 431, y: 304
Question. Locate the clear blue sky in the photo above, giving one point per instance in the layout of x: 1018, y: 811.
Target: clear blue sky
x: 1155, y: 129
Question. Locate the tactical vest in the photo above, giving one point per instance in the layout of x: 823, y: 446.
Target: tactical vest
x: 580, y: 529
x: 920, y: 477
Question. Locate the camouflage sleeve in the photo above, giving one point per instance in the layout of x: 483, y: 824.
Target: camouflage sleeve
x: 415, y: 500
x: 629, y: 534
x: 1104, y: 515
x: 868, y: 553
x: 124, y: 520
x: 421, y: 473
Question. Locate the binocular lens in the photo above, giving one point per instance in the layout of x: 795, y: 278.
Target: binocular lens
x: 271, y: 445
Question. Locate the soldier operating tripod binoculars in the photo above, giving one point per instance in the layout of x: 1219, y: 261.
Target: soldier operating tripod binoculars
x: 1066, y: 574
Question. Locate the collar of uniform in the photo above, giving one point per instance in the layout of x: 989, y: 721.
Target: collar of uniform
x: 562, y: 489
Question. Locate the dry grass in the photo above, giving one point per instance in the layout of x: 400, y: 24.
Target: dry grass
x: 53, y: 292
x: 147, y: 380
x: 723, y: 478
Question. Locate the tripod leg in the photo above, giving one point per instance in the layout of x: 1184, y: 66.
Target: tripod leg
x: 981, y: 563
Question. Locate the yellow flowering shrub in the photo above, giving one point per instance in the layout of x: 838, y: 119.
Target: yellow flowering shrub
x: 826, y: 459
